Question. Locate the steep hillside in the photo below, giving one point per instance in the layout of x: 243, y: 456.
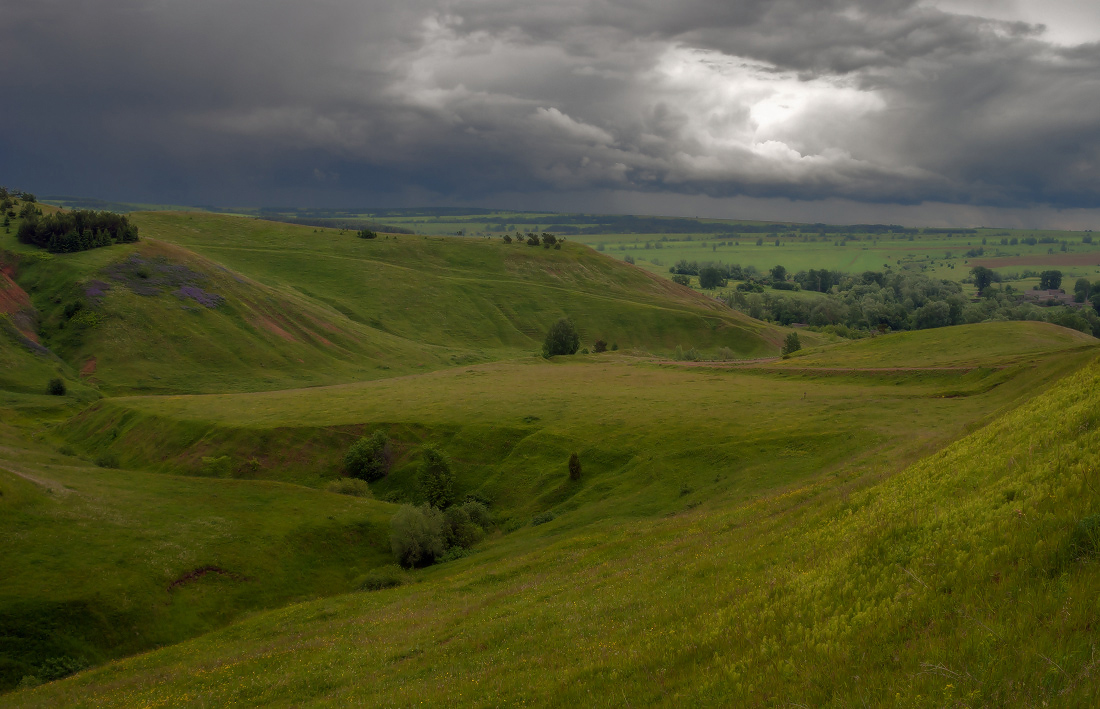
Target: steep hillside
x: 468, y: 292
x: 970, y: 578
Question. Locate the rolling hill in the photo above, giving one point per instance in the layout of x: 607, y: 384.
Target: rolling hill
x: 908, y: 519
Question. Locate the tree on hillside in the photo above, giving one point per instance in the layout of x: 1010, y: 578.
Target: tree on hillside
x: 1050, y: 280
x: 574, y: 467
x: 599, y: 346
x: 416, y: 534
x: 435, y: 478
x: 791, y: 344
x: 366, y: 234
x: 548, y: 239
x: 369, y: 458
x: 983, y: 277
x: 562, y: 339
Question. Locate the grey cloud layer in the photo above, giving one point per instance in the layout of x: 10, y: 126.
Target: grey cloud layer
x: 360, y: 102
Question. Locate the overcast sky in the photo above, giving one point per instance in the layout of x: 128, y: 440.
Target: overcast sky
x: 930, y: 112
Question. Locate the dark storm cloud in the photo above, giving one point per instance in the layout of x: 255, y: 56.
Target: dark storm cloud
x: 343, y: 101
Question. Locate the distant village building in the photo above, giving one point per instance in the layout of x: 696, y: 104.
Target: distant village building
x: 1050, y: 297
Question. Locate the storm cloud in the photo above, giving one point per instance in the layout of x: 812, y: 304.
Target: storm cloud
x: 592, y: 104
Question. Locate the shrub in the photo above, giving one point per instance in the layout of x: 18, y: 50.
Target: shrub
x: 574, y: 467
x: 349, y: 486
x: 416, y: 534
x: 628, y: 259
x: 562, y: 339
x: 369, y: 458
x: 507, y: 239
x: 725, y: 354
x: 55, y: 387
x: 791, y: 344
x: 600, y: 346
x: 435, y: 478
x: 107, y: 460
x: 542, y: 518
x: 681, y: 279
x: 478, y: 514
x: 459, y: 530
x: 366, y: 234
x: 614, y: 346
x: 383, y: 577
x: 217, y: 467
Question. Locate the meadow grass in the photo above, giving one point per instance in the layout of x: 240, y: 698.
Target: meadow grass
x: 100, y: 563
x: 957, y: 582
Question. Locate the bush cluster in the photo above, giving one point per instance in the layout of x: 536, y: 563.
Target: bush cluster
x: 424, y: 534
x: 369, y: 458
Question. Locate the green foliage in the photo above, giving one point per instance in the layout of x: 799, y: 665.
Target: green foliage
x: 349, y: 486
x: 681, y: 279
x: 389, y: 576
x: 366, y: 234
x: 599, y: 346
x: 791, y: 343
x: 711, y: 277
x: 107, y: 459
x: 574, y: 467
x: 417, y: 535
x: 435, y: 478
x: 78, y: 230
x: 561, y: 339
x: 1050, y: 280
x: 983, y: 277
x: 370, y: 458
x: 56, y: 387
x: 217, y: 466
x: 543, y: 518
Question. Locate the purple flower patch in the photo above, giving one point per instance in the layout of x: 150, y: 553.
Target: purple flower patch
x: 210, y: 300
x: 94, y: 290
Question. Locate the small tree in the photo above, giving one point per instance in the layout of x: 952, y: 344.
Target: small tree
x: 435, y: 478
x: 507, y: 239
x: 417, y: 534
x: 600, y: 346
x: 681, y: 279
x: 574, y: 467
x: 548, y: 239
x: 711, y: 277
x: 562, y: 339
x: 369, y: 458
x: 1050, y: 280
x: 983, y: 277
x: 56, y: 387
x: 366, y: 234
x: 791, y: 344
x: 1081, y: 290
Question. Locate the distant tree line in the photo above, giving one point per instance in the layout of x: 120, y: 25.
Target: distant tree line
x: 80, y: 230
x: 880, y: 301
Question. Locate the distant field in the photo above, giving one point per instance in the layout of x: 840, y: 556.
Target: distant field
x: 938, y: 252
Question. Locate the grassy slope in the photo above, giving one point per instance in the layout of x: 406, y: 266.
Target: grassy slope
x: 467, y: 292
x: 90, y: 554
x: 954, y: 583
x: 982, y: 344
x: 649, y: 430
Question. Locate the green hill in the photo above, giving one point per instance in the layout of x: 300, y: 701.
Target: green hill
x: 969, y: 578
x: 906, y: 520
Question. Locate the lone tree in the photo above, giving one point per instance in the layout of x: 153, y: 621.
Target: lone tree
x: 574, y: 467
x: 369, y: 458
x: 436, y: 479
x: 711, y: 277
x: 562, y: 339
x: 56, y: 387
x: 791, y: 344
x: 600, y: 346
x: 983, y: 277
x: 1050, y: 280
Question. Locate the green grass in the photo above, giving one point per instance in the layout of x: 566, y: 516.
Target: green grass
x: 96, y: 561
x: 955, y: 582
x: 886, y: 521
x: 471, y: 293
